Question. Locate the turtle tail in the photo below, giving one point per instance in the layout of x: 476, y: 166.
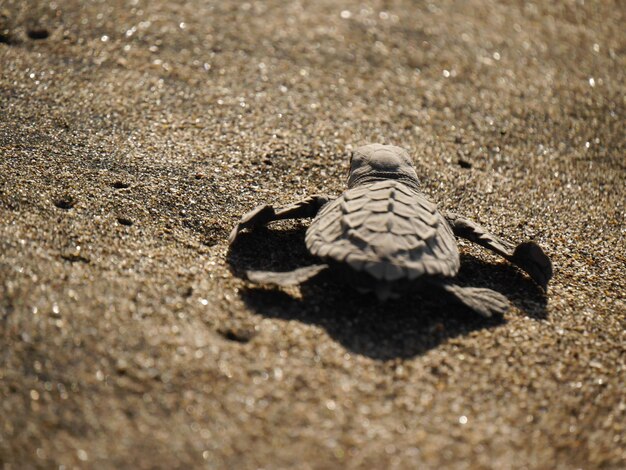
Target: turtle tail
x: 486, y: 302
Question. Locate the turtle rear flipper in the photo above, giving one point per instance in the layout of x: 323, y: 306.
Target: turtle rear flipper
x: 285, y: 279
x: 486, y: 302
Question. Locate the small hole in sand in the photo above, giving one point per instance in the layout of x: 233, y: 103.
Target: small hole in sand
x: 124, y: 221
x: 238, y: 336
x: 464, y: 163
x: 120, y: 185
x: 38, y: 33
x: 65, y: 202
x: 74, y: 258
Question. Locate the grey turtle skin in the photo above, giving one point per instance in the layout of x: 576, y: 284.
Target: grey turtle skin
x: 384, y: 236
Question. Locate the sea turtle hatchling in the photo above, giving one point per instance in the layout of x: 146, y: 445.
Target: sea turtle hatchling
x: 384, y: 235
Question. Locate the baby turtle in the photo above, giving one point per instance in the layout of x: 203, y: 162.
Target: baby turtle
x: 383, y: 235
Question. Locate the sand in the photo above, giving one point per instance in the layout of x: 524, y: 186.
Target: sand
x: 134, y: 134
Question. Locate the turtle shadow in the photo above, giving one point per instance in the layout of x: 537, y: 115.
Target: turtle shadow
x: 396, y: 329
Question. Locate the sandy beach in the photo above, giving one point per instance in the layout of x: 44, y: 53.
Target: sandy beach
x: 135, y: 133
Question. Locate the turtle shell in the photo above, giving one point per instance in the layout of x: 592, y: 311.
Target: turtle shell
x: 387, y: 230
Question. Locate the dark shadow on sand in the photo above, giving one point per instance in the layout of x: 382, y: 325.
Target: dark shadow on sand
x: 402, y: 328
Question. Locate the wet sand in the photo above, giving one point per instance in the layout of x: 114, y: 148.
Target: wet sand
x: 133, y: 134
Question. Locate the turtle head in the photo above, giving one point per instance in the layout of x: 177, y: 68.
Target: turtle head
x: 376, y: 162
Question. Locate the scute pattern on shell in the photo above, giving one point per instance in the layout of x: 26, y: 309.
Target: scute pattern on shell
x: 386, y: 230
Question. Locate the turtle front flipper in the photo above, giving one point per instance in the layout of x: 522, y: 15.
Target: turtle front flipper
x: 285, y: 279
x: 527, y: 255
x: 265, y: 214
x: 484, y: 301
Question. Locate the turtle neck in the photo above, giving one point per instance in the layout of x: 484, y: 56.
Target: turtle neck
x: 372, y: 177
